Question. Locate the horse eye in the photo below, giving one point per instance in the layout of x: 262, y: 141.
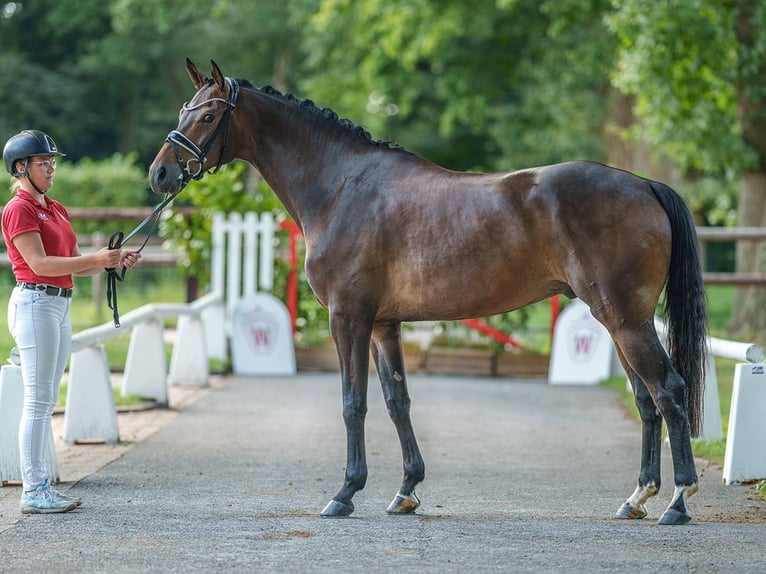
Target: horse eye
x: 208, y: 118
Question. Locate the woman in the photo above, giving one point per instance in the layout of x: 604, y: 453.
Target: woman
x: 44, y: 255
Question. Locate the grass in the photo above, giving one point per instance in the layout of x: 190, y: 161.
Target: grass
x: 119, y: 399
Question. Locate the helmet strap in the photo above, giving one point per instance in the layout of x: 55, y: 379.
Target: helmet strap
x: 29, y: 177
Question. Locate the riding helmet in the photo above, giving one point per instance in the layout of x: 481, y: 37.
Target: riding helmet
x: 28, y: 143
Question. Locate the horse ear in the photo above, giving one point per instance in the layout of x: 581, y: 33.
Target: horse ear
x: 218, y: 76
x: 197, y: 77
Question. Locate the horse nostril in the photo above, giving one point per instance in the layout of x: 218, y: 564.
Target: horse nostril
x: 161, y: 174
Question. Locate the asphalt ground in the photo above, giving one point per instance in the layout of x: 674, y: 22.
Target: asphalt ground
x: 521, y: 476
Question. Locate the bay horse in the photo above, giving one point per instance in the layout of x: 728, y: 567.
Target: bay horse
x: 393, y: 237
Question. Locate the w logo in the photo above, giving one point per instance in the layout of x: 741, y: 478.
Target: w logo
x: 583, y: 341
x: 262, y: 330
x: 261, y: 337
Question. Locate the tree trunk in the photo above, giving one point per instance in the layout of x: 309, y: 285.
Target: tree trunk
x: 630, y: 154
x: 749, y: 308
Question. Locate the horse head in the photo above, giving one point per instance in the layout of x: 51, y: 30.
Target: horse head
x: 203, y: 128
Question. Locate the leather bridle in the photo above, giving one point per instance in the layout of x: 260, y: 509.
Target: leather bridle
x: 193, y: 168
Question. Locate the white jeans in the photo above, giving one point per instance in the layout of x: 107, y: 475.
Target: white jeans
x: 41, y: 326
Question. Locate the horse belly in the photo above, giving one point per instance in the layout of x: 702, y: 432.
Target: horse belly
x: 462, y: 291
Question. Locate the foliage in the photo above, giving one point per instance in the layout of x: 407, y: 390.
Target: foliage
x: 114, y: 182
x: 117, y: 181
x: 468, y: 86
x: 107, y: 75
x: 190, y: 235
x: 760, y: 488
x: 680, y: 59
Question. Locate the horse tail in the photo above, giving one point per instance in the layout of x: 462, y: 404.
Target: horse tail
x: 685, y: 303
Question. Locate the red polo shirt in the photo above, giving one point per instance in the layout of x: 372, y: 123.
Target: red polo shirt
x: 23, y: 214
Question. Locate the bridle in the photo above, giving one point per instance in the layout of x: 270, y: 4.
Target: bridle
x: 193, y: 167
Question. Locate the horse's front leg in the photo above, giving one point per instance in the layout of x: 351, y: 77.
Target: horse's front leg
x: 352, y: 341
x: 651, y: 442
x: 387, y: 352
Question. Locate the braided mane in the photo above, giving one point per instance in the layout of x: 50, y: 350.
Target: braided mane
x: 325, y: 113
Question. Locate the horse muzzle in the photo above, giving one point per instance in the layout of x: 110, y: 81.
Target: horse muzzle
x: 166, y: 177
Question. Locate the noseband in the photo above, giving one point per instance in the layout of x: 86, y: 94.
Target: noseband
x: 193, y: 167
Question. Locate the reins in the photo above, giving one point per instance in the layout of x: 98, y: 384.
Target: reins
x: 177, y: 140
x: 116, y: 241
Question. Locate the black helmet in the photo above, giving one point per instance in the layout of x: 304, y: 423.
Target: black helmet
x: 26, y: 144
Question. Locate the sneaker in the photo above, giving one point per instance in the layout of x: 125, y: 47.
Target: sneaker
x: 61, y: 496
x: 42, y: 500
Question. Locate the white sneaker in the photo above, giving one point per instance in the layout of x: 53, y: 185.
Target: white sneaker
x: 65, y: 497
x: 42, y: 500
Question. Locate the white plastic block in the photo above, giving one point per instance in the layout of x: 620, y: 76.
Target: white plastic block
x: 11, y: 404
x: 146, y: 368
x: 262, y: 340
x: 214, y: 325
x: 90, y: 415
x: 745, y: 457
x: 189, y: 360
x: 582, y: 352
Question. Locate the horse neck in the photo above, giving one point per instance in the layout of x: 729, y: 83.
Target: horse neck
x: 300, y: 159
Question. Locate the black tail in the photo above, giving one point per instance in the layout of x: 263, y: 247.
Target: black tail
x: 685, y: 304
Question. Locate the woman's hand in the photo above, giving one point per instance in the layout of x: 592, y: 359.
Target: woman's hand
x: 108, y: 258
x: 129, y: 259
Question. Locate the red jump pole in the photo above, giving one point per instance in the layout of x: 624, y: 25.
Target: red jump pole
x: 292, y: 276
x: 498, y: 336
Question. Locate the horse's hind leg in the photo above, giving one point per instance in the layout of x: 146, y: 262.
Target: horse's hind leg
x: 387, y: 353
x: 651, y: 440
x: 644, y: 353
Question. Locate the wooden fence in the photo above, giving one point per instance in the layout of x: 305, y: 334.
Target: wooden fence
x: 732, y: 234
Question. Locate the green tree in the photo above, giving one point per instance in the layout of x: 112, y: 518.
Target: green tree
x: 106, y: 76
x: 489, y: 85
x: 697, y: 69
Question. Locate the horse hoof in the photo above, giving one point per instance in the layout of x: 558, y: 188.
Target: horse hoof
x: 627, y: 511
x: 335, y: 509
x: 673, y: 517
x: 404, y: 504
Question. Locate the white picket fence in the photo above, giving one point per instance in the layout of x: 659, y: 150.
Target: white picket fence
x: 242, y: 264
x: 243, y: 255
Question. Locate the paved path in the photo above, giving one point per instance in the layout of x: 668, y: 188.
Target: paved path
x: 520, y: 477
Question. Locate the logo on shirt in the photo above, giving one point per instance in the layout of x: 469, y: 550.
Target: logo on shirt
x: 42, y: 217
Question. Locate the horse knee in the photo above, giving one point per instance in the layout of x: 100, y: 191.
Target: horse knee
x: 354, y: 412
x: 398, y: 407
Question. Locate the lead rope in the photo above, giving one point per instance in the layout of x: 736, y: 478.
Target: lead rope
x: 116, y: 241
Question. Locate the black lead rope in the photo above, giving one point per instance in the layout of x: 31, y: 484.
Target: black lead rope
x: 116, y: 241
